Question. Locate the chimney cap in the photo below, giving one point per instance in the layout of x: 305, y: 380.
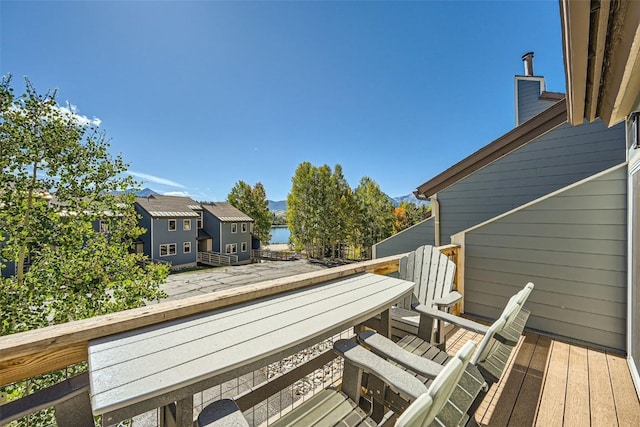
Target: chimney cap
x: 528, y: 63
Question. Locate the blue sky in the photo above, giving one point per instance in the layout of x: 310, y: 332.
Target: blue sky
x: 197, y: 95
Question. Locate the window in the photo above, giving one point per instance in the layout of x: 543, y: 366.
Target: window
x: 172, y: 225
x: 186, y: 224
x: 232, y: 248
x: 168, y: 249
x: 186, y: 247
x: 199, y: 219
x: 234, y: 228
x: 244, y: 227
x: 104, y: 226
x: 244, y: 247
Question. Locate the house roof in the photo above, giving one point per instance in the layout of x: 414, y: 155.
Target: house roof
x: 168, y: 206
x: 601, y: 49
x: 226, y: 212
x: 527, y: 131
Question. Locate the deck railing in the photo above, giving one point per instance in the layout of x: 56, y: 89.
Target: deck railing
x: 215, y: 258
x: 30, y: 354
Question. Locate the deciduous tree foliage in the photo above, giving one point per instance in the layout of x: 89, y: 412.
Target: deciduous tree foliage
x: 325, y: 215
x: 376, y: 211
x: 253, y: 202
x: 58, y: 182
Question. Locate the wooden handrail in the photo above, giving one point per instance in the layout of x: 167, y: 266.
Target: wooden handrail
x: 32, y: 353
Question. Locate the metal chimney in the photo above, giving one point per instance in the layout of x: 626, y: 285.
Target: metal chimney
x: 528, y: 63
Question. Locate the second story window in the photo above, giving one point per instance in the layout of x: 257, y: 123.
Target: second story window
x: 186, y: 224
x: 172, y: 225
x: 234, y: 228
x: 200, y: 219
x: 244, y: 227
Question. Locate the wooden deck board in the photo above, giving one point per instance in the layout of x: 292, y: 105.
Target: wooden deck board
x: 505, y: 405
x: 532, y: 385
x: 625, y: 397
x: 576, y: 410
x: 551, y: 407
x: 553, y: 383
x: 602, y: 407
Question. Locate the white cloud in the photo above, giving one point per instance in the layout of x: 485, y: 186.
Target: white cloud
x: 176, y: 193
x: 72, y: 110
x: 155, y: 179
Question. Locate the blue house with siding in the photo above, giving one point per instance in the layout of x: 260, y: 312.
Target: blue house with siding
x: 172, y: 229
x: 547, y: 203
x: 231, y: 230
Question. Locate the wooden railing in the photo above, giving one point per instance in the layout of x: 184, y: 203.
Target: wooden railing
x: 33, y: 353
x: 273, y: 255
x: 215, y: 258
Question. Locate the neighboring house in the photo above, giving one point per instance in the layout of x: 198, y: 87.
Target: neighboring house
x: 172, y: 229
x: 231, y: 228
x: 602, y: 66
x: 546, y: 203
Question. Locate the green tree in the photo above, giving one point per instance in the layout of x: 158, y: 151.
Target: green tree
x: 415, y: 213
x: 253, y: 202
x: 302, y: 207
x: 57, y: 184
x: 376, y: 212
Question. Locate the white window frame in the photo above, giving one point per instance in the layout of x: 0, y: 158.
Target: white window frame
x: 104, y: 226
x: 243, y: 247
x: 186, y: 247
x: 243, y: 227
x: 175, y: 224
x: 167, y: 247
x: 199, y: 222
x: 186, y: 227
x: 231, y: 248
x: 234, y: 227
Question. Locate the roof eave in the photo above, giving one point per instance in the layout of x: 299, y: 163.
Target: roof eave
x: 601, y: 47
x: 529, y: 130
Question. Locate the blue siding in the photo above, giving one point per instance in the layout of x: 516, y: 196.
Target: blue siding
x: 145, y: 238
x: 407, y: 240
x: 553, y: 161
x: 162, y: 235
x: 528, y: 99
x: 572, y: 245
x: 211, y: 224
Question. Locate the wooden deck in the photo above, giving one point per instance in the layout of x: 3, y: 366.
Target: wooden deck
x: 552, y: 383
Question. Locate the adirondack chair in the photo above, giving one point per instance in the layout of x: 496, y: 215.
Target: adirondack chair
x: 433, y: 274
x: 332, y: 407
x: 418, y: 356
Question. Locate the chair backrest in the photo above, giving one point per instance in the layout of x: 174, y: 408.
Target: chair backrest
x: 431, y: 271
x: 427, y: 406
x: 519, y: 299
x: 489, y: 340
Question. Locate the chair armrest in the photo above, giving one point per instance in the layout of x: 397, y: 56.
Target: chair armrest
x: 222, y: 413
x: 456, y: 320
x: 448, y: 300
x: 396, y: 378
x: 386, y: 348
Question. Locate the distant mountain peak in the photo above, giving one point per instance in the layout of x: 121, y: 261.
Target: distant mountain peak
x: 146, y: 192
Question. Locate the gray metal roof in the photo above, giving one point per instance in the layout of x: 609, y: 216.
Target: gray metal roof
x: 226, y: 212
x: 168, y: 206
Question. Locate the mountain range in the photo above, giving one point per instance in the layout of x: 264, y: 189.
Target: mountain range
x: 280, y: 206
